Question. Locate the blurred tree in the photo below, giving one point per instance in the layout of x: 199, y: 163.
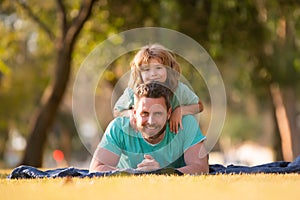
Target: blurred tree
x: 19, y: 91
x: 70, y: 22
x: 256, y: 47
x: 278, y: 68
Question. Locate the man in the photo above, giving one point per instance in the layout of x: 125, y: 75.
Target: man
x: 154, y: 146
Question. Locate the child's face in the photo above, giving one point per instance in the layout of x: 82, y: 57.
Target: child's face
x: 154, y: 71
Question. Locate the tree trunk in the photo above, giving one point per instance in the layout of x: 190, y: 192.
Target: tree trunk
x: 289, y: 100
x: 53, y: 95
x: 35, y: 145
x: 285, y: 106
x: 3, y: 140
x: 277, y: 140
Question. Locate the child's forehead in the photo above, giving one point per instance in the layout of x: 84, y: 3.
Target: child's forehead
x: 151, y: 61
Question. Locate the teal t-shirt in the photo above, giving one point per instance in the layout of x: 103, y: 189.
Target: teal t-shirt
x: 183, y: 95
x: 122, y: 140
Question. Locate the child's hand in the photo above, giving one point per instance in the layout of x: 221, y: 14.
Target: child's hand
x: 175, y: 120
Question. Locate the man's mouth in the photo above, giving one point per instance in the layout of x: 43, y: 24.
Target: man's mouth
x: 151, y: 127
x: 160, y: 129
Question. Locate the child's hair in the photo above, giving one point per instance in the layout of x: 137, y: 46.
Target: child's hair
x: 164, y: 56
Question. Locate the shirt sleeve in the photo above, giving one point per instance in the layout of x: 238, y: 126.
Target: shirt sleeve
x: 184, y: 96
x: 125, y: 101
x: 191, y: 133
x: 111, y: 139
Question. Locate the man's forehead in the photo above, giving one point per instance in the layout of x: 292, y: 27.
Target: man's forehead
x: 153, y: 103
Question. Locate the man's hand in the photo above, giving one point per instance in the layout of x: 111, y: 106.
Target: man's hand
x: 149, y: 163
x: 176, y: 120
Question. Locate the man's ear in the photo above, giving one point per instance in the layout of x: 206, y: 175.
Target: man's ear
x: 133, y: 110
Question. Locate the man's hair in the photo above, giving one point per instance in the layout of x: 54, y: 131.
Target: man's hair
x: 154, y: 90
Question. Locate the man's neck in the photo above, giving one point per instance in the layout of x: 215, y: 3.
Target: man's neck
x: 156, y: 138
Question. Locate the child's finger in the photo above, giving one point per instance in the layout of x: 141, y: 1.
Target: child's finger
x: 171, y: 126
x: 175, y: 127
x: 181, y: 125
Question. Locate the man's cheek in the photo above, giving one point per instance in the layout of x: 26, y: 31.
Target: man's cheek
x: 139, y: 123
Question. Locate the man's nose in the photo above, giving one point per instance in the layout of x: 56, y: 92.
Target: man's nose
x: 151, y: 119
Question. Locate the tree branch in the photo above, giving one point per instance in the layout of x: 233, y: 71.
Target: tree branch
x: 30, y: 13
x: 79, y: 20
x: 63, y: 16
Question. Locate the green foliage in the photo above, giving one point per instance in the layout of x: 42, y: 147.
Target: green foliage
x: 240, y: 127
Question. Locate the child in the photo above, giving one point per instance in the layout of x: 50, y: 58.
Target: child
x: 156, y: 63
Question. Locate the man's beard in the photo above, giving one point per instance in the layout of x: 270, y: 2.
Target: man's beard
x: 157, y: 135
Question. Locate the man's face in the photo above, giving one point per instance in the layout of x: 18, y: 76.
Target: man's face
x: 151, y: 115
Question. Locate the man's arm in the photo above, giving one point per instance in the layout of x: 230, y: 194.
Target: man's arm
x: 103, y: 160
x: 196, y: 160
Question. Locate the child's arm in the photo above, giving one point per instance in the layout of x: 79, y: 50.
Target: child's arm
x: 192, y: 109
x: 125, y: 113
x: 176, y: 116
x: 124, y: 103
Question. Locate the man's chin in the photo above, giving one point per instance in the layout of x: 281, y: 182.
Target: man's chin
x: 151, y: 133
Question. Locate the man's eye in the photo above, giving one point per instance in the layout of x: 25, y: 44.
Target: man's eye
x: 158, y: 114
x: 144, y: 114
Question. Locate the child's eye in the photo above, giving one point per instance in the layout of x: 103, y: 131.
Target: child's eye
x: 144, y: 69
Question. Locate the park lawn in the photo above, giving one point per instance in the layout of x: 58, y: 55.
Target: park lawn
x: 221, y: 187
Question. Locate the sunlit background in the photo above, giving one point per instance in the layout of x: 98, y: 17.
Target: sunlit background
x: 255, y: 45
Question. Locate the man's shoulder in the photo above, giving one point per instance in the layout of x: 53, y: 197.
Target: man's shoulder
x: 188, y: 119
x: 190, y: 123
x: 191, y: 129
x: 120, y: 122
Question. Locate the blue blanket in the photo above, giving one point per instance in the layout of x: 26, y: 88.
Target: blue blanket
x: 279, y: 167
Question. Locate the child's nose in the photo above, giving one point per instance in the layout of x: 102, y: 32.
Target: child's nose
x: 153, y: 72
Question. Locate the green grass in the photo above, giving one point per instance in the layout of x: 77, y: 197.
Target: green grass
x: 222, y: 187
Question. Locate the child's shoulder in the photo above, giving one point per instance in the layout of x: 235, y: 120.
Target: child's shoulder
x: 129, y: 91
x: 181, y: 87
